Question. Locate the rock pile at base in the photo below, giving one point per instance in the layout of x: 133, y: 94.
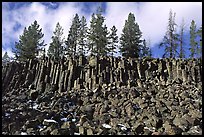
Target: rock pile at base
x: 147, y: 104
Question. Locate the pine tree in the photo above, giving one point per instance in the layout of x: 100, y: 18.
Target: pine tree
x: 73, y: 37
x: 131, y: 38
x: 199, y: 33
x: 145, y: 50
x: 181, y: 40
x: 30, y: 43
x: 56, y: 49
x: 103, y: 42
x: 92, y: 34
x: 193, y: 42
x: 83, y: 36
x: 97, y: 35
x: 113, y: 39
x: 5, y: 59
x: 170, y: 40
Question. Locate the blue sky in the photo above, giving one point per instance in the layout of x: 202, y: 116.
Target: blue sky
x: 152, y: 18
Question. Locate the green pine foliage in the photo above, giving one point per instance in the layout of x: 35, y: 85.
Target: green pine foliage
x: 91, y: 34
x: 193, y: 42
x: 145, y: 50
x: 181, y: 40
x: 30, y: 43
x: 56, y: 46
x: 83, y: 37
x: 97, y: 40
x: 73, y: 37
x: 170, y: 40
x: 131, y: 38
x: 199, y: 50
x: 97, y: 35
x: 113, y: 39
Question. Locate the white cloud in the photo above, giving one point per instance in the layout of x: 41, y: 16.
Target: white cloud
x: 152, y: 17
x: 46, y: 17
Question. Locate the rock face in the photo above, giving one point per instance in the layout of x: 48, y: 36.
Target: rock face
x: 102, y: 96
x: 88, y: 73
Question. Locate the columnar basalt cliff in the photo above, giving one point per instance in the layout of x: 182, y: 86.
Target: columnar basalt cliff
x: 102, y: 96
x: 92, y: 72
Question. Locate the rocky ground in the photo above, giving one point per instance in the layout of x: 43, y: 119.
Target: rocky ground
x: 155, y: 108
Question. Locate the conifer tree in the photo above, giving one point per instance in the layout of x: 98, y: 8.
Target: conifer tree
x: 30, y: 43
x: 92, y: 34
x: 130, y: 39
x: 145, y: 50
x: 97, y: 34
x: 199, y: 32
x: 73, y: 37
x: 113, y: 39
x: 170, y: 40
x: 83, y: 36
x: 193, y: 42
x: 181, y: 40
x: 56, y: 46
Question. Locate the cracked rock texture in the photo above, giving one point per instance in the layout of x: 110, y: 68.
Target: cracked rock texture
x: 102, y: 96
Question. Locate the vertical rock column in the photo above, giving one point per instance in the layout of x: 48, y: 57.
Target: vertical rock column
x: 121, y: 70
x: 138, y: 69
x: 38, y: 66
x: 70, y: 76
x: 179, y: 70
x: 100, y: 79
x: 51, y: 70
x: 61, y: 79
x: 130, y: 75
x: 10, y: 71
x: 94, y: 72
x: 54, y: 72
x: 169, y: 68
x: 190, y: 70
x: 174, y: 68
x: 57, y: 72
x: 47, y: 76
x: 41, y: 84
x: 81, y: 78
x: 184, y: 71
x: 66, y: 73
x: 199, y: 70
x: 195, y: 71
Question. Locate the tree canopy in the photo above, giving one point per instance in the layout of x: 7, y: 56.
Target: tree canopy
x: 98, y: 39
x: 130, y: 39
x: 56, y: 49
x: 170, y: 40
x: 30, y: 43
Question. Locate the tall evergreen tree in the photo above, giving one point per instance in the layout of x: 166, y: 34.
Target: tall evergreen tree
x: 181, y: 40
x: 92, y: 34
x: 97, y: 34
x: 5, y: 59
x: 83, y: 36
x: 56, y: 49
x: 170, y: 40
x: 131, y: 38
x: 30, y: 43
x: 145, y: 50
x: 199, y: 33
x: 113, y: 39
x: 193, y: 42
x: 73, y: 36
